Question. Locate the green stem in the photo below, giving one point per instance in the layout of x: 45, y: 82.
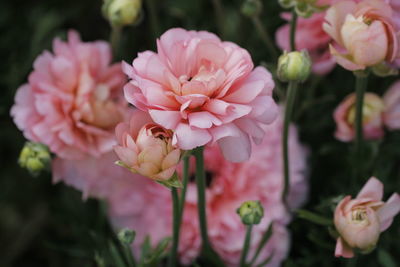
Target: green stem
x: 246, y: 246
x: 291, y: 98
x: 293, y: 24
x: 186, y: 166
x: 220, y: 18
x: 154, y: 22
x: 201, y: 196
x: 265, y: 37
x: 115, y: 40
x: 361, y: 85
x: 175, y: 229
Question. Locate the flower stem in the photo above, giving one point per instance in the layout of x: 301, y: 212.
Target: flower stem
x: 361, y: 85
x: 186, y: 165
x: 246, y: 246
x: 291, y: 98
x: 115, y: 40
x: 219, y: 15
x: 201, y: 198
x: 175, y: 229
x: 265, y: 37
x: 153, y: 16
x: 293, y: 24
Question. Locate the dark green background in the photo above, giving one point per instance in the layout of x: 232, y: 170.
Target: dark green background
x: 48, y: 225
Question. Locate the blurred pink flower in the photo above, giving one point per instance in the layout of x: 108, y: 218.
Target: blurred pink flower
x: 344, y: 116
x: 72, y: 101
x: 145, y: 207
x: 361, y: 220
x: 310, y: 36
x: 366, y: 33
x: 204, y: 90
x: 391, y: 99
x: 146, y: 148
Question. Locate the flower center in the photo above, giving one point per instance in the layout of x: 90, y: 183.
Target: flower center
x: 359, y: 216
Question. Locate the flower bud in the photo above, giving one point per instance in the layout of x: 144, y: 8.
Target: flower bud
x: 251, y: 8
x: 287, y: 3
x: 251, y: 212
x: 121, y: 12
x: 34, y: 157
x: 294, y: 66
x: 384, y: 70
x: 126, y: 236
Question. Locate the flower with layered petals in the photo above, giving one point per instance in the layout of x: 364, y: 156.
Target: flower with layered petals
x: 360, y: 221
x: 366, y: 33
x: 203, y: 89
x: 372, y: 124
x: 391, y: 99
x: 72, y: 101
x: 229, y: 185
x: 146, y: 148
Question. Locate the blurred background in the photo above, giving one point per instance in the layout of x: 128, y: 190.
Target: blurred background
x: 42, y: 224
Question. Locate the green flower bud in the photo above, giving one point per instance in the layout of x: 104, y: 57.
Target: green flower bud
x: 251, y: 212
x: 251, y: 8
x: 287, y: 3
x: 122, y: 12
x: 304, y: 9
x: 126, y: 236
x: 294, y: 66
x: 34, y: 157
x: 384, y: 70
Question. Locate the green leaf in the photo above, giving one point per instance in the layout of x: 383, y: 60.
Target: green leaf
x: 267, y: 235
x: 116, y: 255
x: 313, y: 217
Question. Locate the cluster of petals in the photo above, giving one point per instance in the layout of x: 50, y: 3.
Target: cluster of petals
x: 72, y: 100
x: 366, y: 33
x: 310, y: 36
x: 372, y: 121
x: 146, y: 207
x: 146, y: 148
x: 360, y: 221
x: 204, y: 90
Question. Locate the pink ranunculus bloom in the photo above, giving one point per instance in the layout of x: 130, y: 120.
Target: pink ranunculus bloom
x: 203, y: 89
x: 391, y: 98
x: 360, y: 221
x: 146, y: 148
x: 372, y: 124
x: 229, y: 185
x: 73, y: 100
x: 366, y: 33
x: 311, y: 37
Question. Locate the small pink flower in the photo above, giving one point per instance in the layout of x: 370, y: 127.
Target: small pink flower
x: 361, y: 220
x: 365, y: 32
x: 203, y: 89
x: 391, y: 99
x: 146, y: 148
x: 310, y: 36
x: 345, y: 114
x: 72, y: 101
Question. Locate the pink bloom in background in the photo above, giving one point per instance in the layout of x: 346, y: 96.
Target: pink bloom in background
x: 360, y: 221
x: 345, y: 114
x: 146, y: 148
x: 72, y: 100
x: 203, y: 89
x: 142, y: 205
x: 391, y: 99
x: 366, y: 33
x: 310, y: 36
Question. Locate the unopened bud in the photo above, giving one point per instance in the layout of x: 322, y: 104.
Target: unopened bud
x: 287, y: 3
x: 251, y: 8
x: 126, y: 236
x: 34, y: 157
x: 251, y: 212
x: 122, y: 12
x: 294, y: 66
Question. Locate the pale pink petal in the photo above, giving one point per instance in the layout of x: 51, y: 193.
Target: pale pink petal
x: 372, y: 189
x: 388, y: 211
x: 187, y: 137
x: 236, y: 149
x: 343, y: 250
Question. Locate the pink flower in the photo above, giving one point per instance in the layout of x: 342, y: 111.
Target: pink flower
x: 361, y: 220
x: 345, y: 114
x: 366, y: 33
x: 146, y: 148
x: 203, y: 89
x: 311, y: 37
x: 72, y: 101
x: 391, y: 99
x: 229, y: 185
